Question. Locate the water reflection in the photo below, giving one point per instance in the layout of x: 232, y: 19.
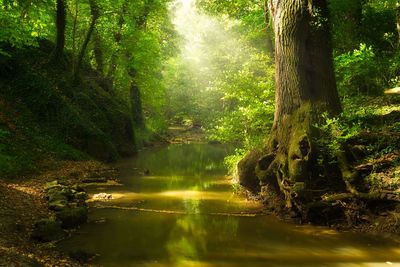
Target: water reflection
x: 190, y: 179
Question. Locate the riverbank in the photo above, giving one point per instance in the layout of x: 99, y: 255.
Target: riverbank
x: 23, y: 204
x: 367, y: 133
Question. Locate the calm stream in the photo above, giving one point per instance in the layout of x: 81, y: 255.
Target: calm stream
x: 181, y: 214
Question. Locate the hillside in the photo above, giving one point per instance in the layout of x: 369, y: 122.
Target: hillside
x: 45, y: 114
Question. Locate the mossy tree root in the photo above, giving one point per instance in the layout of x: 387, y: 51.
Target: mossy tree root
x: 294, y: 165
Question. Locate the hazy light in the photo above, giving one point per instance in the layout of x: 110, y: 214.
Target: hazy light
x: 195, y: 27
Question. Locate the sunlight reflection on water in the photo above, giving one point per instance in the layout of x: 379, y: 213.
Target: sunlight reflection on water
x: 180, y: 181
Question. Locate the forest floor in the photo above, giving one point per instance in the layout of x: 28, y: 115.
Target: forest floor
x: 22, y: 203
x: 376, y: 154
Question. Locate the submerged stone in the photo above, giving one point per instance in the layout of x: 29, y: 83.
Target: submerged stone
x: 58, y: 205
x: 72, y: 217
x: 47, y: 230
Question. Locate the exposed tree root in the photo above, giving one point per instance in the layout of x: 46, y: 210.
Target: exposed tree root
x: 295, y: 165
x: 372, y: 196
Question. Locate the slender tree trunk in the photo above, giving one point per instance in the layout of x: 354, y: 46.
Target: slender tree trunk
x: 94, y: 10
x: 74, y: 29
x: 135, y: 95
x: 117, y: 39
x: 58, y: 52
x: 136, y: 105
x: 98, y: 53
x: 398, y: 24
x: 305, y: 88
x: 269, y: 31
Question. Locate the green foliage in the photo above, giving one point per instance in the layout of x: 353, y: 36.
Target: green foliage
x: 250, y: 16
x: 248, y: 103
x: 362, y: 117
x: 335, y: 132
x: 371, y: 67
x: 24, y: 21
x: 379, y: 24
x: 231, y: 161
x: 358, y: 72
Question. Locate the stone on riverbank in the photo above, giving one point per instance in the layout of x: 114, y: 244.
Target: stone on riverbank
x: 68, y: 202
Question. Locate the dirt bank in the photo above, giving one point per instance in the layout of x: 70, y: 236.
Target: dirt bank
x: 22, y: 203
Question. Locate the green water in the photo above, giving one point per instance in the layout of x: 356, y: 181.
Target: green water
x: 189, y: 180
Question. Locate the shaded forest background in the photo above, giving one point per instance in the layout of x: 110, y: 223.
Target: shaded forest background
x: 125, y: 74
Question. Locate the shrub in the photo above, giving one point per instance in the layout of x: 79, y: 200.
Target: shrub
x: 358, y: 72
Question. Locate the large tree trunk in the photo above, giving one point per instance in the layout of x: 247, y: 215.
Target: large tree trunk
x: 305, y: 88
x: 58, y: 52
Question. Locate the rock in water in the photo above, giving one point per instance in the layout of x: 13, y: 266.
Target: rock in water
x: 47, y: 230
x: 72, y: 217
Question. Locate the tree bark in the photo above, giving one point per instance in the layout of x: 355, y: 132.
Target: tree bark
x: 94, y: 11
x: 135, y: 95
x: 269, y: 31
x: 304, y: 64
x: 74, y: 29
x: 136, y: 104
x: 98, y: 53
x: 305, y: 88
x: 398, y: 24
x: 58, y: 52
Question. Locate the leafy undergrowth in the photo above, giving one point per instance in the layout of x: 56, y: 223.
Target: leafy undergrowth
x: 369, y: 131
x: 375, y: 146
x: 45, y: 114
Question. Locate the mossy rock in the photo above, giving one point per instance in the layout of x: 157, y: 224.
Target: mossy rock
x: 59, y: 193
x: 77, y: 188
x: 72, y: 217
x: 51, y: 185
x: 55, y: 195
x: 47, y: 230
x: 80, y: 197
x: 246, y: 171
x: 58, y: 205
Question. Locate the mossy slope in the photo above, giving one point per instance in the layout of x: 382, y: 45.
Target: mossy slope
x: 43, y: 113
